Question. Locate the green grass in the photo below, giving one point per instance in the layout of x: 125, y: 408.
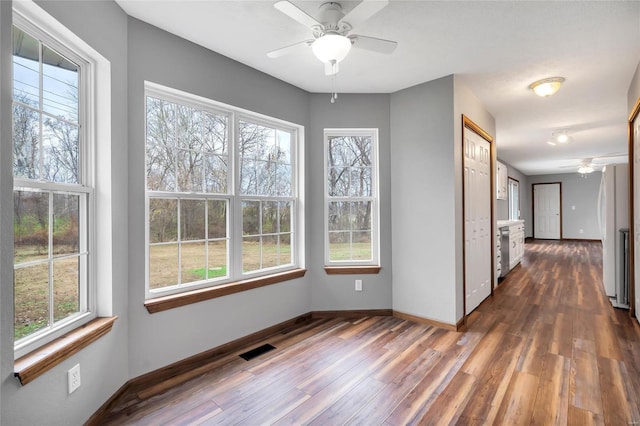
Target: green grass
x: 213, y: 272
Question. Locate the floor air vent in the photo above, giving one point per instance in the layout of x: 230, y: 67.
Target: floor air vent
x: 257, y: 352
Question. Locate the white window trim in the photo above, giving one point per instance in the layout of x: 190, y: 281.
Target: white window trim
x: 234, y: 214
x: 374, y: 198
x: 96, y: 89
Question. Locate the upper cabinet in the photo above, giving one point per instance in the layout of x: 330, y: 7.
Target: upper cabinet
x: 501, y: 181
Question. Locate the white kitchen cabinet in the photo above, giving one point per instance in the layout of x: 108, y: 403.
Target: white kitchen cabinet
x: 502, y: 178
x: 516, y: 243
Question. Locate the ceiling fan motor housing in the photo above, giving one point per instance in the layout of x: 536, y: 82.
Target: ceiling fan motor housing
x: 330, y: 15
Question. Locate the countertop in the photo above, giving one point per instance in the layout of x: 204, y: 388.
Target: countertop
x: 502, y: 223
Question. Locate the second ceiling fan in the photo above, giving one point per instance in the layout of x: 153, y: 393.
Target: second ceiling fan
x: 332, y: 40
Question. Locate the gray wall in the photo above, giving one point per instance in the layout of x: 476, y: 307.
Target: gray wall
x: 159, y: 339
x: 578, y: 192
x: 426, y: 188
x: 103, y: 364
x: 336, y: 292
x: 634, y: 89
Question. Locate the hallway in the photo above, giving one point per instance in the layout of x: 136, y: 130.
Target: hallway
x: 547, y: 348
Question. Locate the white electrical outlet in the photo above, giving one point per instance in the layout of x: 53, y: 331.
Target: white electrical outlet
x: 358, y: 285
x: 73, y: 378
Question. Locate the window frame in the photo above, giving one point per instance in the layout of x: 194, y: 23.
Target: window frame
x: 232, y: 196
x: 513, y: 183
x: 333, y: 266
x: 56, y: 37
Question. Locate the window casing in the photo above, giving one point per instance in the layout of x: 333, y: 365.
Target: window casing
x: 514, y: 199
x: 54, y: 285
x: 351, y: 197
x: 222, y: 193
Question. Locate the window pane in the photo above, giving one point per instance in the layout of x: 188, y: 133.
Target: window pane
x: 218, y: 259
x: 189, y: 128
x: 30, y: 226
x: 215, y: 133
x: 215, y: 174
x: 339, y: 216
x: 270, y: 251
x: 190, y: 171
x: 250, y: 254
x: 59, y: 85
x: 66, y: 287
x: 284, y: 147
x: 283, y: 180
x: 192, y: 262
x: 26, y: 66
x: 161, y: 151
x: 26, y: 142
x: 217, y: 218
x: 285, y: 216
x: 163, y: 265
x: 360, y: 185
x: 285, y: 249
x: 66, y: 226
x: 250, y: 217
x: 339, y: 246
x: 361, y: 246
x: 60, y: 149
x: 163, y: 220
x: 192, y: 217
x: 31, y: 299
x: 361, y: 215
x: 338, y: 181
x: 269, y: 217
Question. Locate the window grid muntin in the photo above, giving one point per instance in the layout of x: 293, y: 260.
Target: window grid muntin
x: 372, y: 198
x: 84, y: 186
x: 234, y: 214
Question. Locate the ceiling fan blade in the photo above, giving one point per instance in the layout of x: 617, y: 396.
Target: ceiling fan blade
x: 365, y: 10
x: 374, y: 44
x: 289, y: 49
x: 295, y: 13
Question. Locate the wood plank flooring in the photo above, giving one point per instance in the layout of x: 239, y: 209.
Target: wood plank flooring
x: 546, y: 349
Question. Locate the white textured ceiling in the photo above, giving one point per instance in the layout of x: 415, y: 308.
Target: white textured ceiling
x: 498, y: 49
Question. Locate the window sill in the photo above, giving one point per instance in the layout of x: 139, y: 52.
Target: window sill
x: 30, y: 366
x: 351, y: 270
x: 164, y: 303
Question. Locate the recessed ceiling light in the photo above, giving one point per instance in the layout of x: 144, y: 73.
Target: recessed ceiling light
x: 547, y: 86
x: 561, y: 136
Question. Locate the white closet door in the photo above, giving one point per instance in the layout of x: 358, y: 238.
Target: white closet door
x: 546, y: 211
x: 477, y: 220
x: 636, y: 212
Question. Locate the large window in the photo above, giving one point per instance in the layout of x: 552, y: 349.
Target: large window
x: 351, y: 197
x: 221, y: 190
x: 53, y: 190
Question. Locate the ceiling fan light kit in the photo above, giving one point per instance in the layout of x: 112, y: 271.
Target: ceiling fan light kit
x: 547, y: 86
x: 583, y: 170
x: 331, y: 48
x: 332, y: 41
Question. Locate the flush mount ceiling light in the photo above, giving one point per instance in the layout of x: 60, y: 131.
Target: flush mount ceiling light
x: 547, y: 86
x: 560, y: 137
x: 585, y: 169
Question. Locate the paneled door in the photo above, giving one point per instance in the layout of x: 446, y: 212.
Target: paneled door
x: 636, y: 213
x: 477, y: 219
x: 546, y: 211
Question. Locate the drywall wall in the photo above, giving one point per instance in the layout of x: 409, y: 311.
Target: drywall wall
x: 159, y: 339
x: 579, y: 203
x: 104, y: 364
x: 6, y: 197
x: 634, y: 89
x: 423, y: 200
x: 337, y: 292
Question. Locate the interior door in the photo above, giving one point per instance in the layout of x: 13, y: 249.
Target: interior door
x: 546, y: 211
x: 636, y: 213
x: 477, y: 220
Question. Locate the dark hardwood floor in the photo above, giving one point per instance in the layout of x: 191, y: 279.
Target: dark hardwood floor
x: 546, y: 349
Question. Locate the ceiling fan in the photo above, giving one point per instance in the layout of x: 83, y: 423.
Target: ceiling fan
x: 588, y: 165
x: 332, y: 40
